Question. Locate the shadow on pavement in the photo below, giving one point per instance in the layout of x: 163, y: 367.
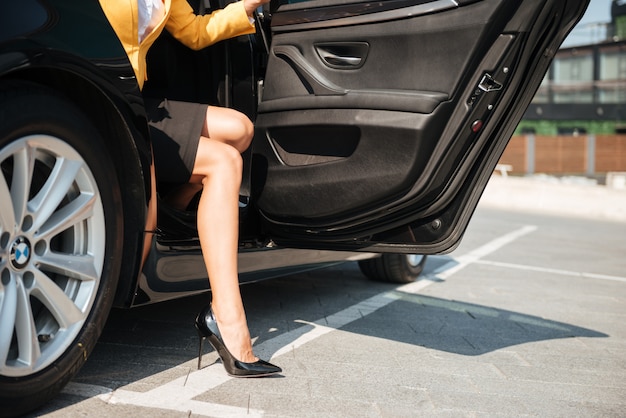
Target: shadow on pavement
x: 460, y: 327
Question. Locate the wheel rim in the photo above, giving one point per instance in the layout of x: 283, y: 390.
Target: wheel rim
x: 414, y: 260
x: 52, y: 245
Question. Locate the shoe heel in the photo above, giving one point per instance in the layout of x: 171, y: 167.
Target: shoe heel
x: 201, y: 344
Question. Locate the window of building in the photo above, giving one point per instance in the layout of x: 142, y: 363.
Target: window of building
x: 573, y: 77
x: 573, y: 68
x: 612, y: 75
x: 613, y: 65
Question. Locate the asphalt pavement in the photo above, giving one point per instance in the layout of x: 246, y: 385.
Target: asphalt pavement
x: 526, y: 318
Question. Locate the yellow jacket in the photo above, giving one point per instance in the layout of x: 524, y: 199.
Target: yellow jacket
x: 194, y: 31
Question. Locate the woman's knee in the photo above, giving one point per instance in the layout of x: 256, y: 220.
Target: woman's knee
x: 218, y: 159
x: 229, y: 126
x: 243, y: 131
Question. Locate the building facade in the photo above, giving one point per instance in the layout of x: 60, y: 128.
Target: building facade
x: 584, y: 92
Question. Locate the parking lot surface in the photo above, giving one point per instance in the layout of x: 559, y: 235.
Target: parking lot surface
x: 526, y: 318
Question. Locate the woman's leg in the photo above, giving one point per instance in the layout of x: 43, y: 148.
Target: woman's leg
x: 218, y: 169
x: 228, y: 126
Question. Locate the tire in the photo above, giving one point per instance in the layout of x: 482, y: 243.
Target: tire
x: 393, y: 268
x: 61, y: 236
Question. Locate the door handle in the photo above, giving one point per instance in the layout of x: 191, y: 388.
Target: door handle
x: 335, y: 60
x: 343, y: 55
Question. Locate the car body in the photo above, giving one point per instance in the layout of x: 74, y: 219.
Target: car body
x: 377, y: 128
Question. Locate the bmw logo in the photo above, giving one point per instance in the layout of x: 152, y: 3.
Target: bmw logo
x: 20, y: 252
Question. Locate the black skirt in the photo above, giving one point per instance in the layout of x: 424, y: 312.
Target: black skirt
x: 175, y: 129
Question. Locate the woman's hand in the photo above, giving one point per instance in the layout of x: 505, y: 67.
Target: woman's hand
x: 252, y: 5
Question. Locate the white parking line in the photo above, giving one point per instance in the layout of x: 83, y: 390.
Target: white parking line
x: 475, y: 255
x: 179, y: 394
x: 559, y: 272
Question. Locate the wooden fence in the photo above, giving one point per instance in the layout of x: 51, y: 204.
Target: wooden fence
x: 566, y: 155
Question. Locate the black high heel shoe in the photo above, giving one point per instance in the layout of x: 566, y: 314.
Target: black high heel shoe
x: 207, y: 328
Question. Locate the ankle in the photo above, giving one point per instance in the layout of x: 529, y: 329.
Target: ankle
x: 236, y: 335
x: 229, y: 316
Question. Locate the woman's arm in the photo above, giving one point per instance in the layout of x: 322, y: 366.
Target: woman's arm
x: 198, y: 32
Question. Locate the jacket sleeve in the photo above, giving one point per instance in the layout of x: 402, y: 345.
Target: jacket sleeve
x: 197, y: 32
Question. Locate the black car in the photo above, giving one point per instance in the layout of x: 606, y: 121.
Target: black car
x: 378, y: 125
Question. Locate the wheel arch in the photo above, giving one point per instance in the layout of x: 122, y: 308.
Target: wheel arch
x: 128, y: 146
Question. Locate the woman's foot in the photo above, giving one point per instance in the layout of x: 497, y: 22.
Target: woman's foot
x: 207, y: 328
x: 235, y: 334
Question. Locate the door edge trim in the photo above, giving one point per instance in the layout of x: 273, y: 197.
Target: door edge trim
x: 297, y: 20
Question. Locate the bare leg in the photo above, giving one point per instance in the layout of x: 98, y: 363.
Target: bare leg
x: 218, y: 169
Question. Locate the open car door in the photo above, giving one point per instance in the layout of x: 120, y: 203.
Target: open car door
x: 380, y: 123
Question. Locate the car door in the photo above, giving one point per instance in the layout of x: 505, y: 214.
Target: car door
x: 380, y: 123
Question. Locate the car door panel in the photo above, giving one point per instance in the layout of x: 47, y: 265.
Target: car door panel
x: 434, y: 65
x: 375, y: 124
